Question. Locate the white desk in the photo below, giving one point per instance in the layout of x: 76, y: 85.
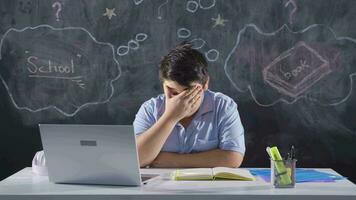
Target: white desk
x: 26, y: 185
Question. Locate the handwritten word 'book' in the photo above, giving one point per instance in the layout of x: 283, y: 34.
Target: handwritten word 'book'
x: 216, y: 173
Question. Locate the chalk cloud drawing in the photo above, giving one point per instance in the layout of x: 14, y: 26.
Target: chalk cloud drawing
x: 133, y: 44
x: 65, y: 69
x: 286, y: 65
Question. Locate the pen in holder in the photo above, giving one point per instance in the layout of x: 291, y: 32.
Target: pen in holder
x: 283, y: 173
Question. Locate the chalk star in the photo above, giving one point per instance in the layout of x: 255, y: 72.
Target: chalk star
x: 109, y: 13
x: 219, y: 21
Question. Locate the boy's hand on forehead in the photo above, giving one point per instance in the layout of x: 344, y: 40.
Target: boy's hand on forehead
x: 183, y: 104
x: 192, y: 90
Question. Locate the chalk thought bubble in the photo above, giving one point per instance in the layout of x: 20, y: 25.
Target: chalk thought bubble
x: 286, y: 65
x: 64, y: 69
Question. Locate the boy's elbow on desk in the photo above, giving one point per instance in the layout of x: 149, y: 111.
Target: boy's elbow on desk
x: 234, y: 159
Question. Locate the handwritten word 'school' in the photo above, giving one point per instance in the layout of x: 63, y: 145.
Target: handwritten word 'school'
x: 50, y: 68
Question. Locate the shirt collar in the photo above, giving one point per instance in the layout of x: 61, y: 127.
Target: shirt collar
x: 206, y: 106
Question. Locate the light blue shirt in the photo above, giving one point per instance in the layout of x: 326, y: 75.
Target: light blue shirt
x: 217, y: 124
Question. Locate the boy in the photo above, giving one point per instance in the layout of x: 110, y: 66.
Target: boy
x: 188, y: 125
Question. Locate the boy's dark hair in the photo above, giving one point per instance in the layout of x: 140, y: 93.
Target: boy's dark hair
x: 184, y: 65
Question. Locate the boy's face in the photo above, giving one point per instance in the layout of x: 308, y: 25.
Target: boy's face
x: 172, y: 88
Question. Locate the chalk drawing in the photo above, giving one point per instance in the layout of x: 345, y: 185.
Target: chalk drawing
x: 212, y: 55
x: 183, y: 33
x: 131, y: 44
x: 138, y: 2
x: 197, y: 43
x: 219, y: 21
x: 159, y: 10
x: 122, y: 50
x: 58, y: 6
x: 134, y: 45
x: 42, y: 70
x: 209, y: 4
x: 140, y: 37
x: 192, y: 6
x: 294, y: 4
x: 302, y: 76
x: 109, y: 13
x: 309, y: 67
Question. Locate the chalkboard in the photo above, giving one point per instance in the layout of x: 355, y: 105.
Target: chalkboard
x: 289, y: 64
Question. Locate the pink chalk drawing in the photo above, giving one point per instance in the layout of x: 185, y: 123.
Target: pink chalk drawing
x: 296, y: 70
x: 286, y: 65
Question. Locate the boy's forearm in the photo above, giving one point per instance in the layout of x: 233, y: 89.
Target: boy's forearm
x: 212, y: 158
x: 150, y: 142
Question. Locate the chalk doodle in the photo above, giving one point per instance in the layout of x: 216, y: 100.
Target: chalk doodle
x: 140, y: 37
x: 192, y: 6
x: 132, y: 44
x: 159, y: 10
x: 211, y: 55
x: 219, y: 21
x: 58, y: 6
x: 138, y: 2
x: 197, y: 43
x: 122, y: 50
x: 260, y: 64
x: 294, y: 4
x: 307, y: 67
x: 109, y: 13
x: 209, y: 4
x: 183, y: 33
x: 62, y: 69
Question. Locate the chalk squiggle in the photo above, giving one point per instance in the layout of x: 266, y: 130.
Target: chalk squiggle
x: 159, y: 9
x: 292, y: 2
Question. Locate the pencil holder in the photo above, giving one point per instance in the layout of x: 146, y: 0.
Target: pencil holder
x: 283, y: 173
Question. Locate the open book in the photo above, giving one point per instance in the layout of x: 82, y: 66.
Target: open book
x: 215, y: 173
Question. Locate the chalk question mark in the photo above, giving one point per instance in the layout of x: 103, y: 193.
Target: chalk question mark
x: 294, y: 4
x: 59, y: 8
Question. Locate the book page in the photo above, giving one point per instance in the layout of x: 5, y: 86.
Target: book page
x: 194, y: 174
x: 232, y: 173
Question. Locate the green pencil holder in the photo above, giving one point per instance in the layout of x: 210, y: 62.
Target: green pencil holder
x: 283, y: 173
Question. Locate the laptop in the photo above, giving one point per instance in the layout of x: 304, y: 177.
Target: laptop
x: 92, y: 154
